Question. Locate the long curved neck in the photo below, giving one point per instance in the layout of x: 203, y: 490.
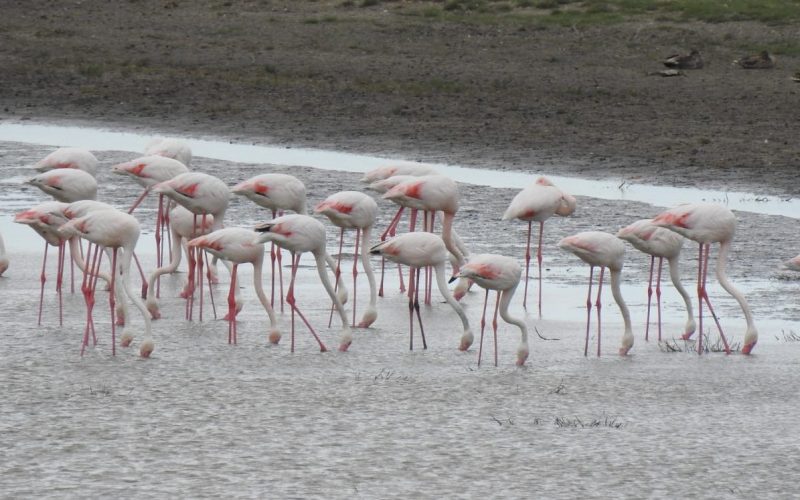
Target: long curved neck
x: 125, y: 265
x: 75, y: 252
x: 626, y: 315
x: 322, y: 257
x: 675, y: 276
x: 373, y: 293
x: 262, y: 297
x: 441, y: 281
x: 169, y: 268
x: 447, y: 236
x: 505, y: 300
x: 722, y: 260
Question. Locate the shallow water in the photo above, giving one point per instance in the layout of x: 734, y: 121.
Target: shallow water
x: 205, y: 419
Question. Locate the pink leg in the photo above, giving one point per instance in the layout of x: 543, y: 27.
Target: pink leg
x: 599, y: 307
x: 42, y: 279
x: 539, y: 259
x: 138, y: 201
x: 494, y: 326
x: 60, y: 281
x: 199, y: 273
x: 429, y: 288
x: 279, y: 257
x: 416, y: 308
x: 93, y: 271
x: 72, y: 272
x: 527, y: 266
x: 411, y: 309
x: 141, y: 274
x: 272, y: 261
x: 355, y: 274
x: 658, y: 294
x: 588, y: 312
x: 290, y: 299
x: 338, y: 273
x: 700, y: 292
x: 649, y: 298
x: 708, y: 302
x: 159, y: 245
x: 112, y: 302
x: 167, y: 229
x: 210, y: 286
x: 232, y: 307
x: 392, y: 224
x: 483, y: 326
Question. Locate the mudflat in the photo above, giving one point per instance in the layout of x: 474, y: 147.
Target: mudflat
x: 509, y: 85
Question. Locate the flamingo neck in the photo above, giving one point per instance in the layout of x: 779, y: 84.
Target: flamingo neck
x: 675, y: 276
x: 373, y: 293
x: 124, y: 264
x: 258, y: 285
x: 722, y: 259
x: 505, y: 300
x: 449, y: 242
x: 623, y: 309
x: 441, y: 281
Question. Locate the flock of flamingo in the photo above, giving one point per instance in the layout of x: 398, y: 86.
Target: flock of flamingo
x: 189, y: 220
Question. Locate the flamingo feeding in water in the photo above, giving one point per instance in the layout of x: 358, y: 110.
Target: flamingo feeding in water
x: 239, y: 246
x: 663, y: 244
x: 299, y: 233
x: 417, y: 250
x: 76, y: 158
x: 538, y: 202
x: 354, y: 210
x: 500, y: 273
x: 602, y: 250
x: 708, y: 223
x: 119, y: 232
x: 275, y: 192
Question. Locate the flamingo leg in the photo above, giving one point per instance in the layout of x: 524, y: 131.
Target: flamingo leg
x: 539, y: 260
x: 527, y: 266
x: 658, y: 294
x: 337, y: 273
x: 416, y: 308
x: 290, y: 299
x: 430, y: 274
x: 494, y: 326
x: 389, y: 229
x: 483, y: 326
x: 159, y: 244
x: 355, y: 274
x: 411, y: 309
x: 649, y: 298
x: 169, y: 230
x: 232, y: 307
x: 42, y: 279
x: 138, y: 201
x: 199, y: 273
x: 141, y: 273
x: 60, y: 281
x: 700, y: 291
x: 71, y: 274
x: 112, y: 302
x: 93, y: 272
x: 708, y: 302
x: 588, y: 312
x: 210, y: 287
x: 599, y: 307
x: 85, y: 290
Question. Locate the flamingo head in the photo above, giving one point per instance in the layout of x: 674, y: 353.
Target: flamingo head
x: 370, y: 315
x: 750, y: 340
x: 567, y: 205
x: 146, y: 349
x: 126, y: 339
x: 152, y: 308
x: 466, y: 340
x: 274, y: 336
x: 522, y: 354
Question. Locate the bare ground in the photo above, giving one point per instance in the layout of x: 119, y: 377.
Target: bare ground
x: 496, y: 93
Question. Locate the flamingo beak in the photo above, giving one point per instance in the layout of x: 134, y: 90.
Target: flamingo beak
x: 748, y: 348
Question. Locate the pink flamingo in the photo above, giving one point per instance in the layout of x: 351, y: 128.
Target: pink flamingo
x: 239, y: 246
x: 708, y: 223
x: 170, y: 148
x: 384, y: 172
x: 500, y: 273
x: 605, y: 251
x: 354, y: 210
x: 416, y: 250
x: 76, y: 158
x: 660, y: 243
x: 66, y: 185
x: 44, y: 219
x: 203, y: 195
x: 538, y: 202
x: 275, y: 192
x: 3, y: 256
x: 119, y: 232
x: 432, y: 193
x: 182, y: 228
x: 300, y: 233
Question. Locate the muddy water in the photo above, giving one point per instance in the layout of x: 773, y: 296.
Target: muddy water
x: 204, y: 419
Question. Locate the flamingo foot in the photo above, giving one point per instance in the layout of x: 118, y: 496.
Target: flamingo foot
x: 274, y: 337
x: 146, y: 349
x: 322, y: 348
x: 126, y: 339
x: 748, y: 348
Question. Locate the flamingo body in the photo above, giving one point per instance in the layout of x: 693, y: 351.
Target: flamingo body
x: 147, y: 171
x: 170, y: 148
x: 387, y: 171
x: 75, y: 158
x: 274, y: 192
x: 66, y: 185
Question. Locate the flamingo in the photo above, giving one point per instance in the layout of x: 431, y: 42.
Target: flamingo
x: 148, y: 171
x: 538, y: 202
x: 418, y: 250
x: 354, y: 210
x: 3, y: 256
x: 203, y: 195
x: 170, y: 148
x: 708, y: 223
x: 433, y: 193
x: 384, y: 172
x: 118, y: 231
x: 182, y: 227
x: 664, y: 244
x: 239, y: 246
x: 76, y: 158
x: 500, y: 273
x: 275, y: 192
x: 300, y: 233
x: 44, y: 220
x: 605, y: 251
x: 792, y: 264
x: 66, y: 185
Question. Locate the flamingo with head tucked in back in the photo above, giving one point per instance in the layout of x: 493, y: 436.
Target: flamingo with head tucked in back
x: 275, y: 192
x: 300, y: 233
x: 354, y: 210
x: 239, y: 246
x: 119, y: 232
x: 602, y: 250
x: 500, y: 273
x: 75, y: 158
x: 538, y: 202
x: 170, y: 148
x: 708, y: 223
x: 417, y: 250
x: 664, y: 244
